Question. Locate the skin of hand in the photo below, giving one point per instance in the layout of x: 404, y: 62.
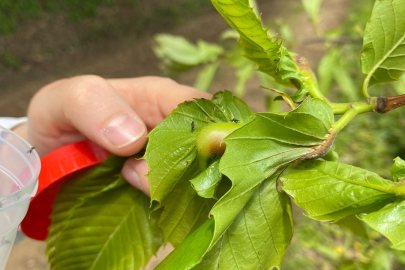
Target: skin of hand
x: 115, y: 113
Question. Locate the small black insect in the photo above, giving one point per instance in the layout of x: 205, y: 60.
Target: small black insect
x: 192, y: 126
x: 234, y: 120
x: 31, y: 149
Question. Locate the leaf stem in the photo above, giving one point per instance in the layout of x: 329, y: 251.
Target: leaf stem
x: 365, y: 87
x: 353, y: 109
x: 339, y: 108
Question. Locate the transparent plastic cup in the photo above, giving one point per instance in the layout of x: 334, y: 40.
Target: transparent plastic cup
x: 19, y: 169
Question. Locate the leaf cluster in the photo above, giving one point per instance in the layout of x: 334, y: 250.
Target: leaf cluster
x: 222, y: 177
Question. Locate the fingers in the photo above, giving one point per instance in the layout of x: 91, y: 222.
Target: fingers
x: 153, y: 98
x: 85, y: 106
x: 113, y: 113
x: 134, y: 172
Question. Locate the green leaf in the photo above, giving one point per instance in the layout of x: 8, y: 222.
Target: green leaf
x: 259, y: 236
x: 312, y: 8
x: 268, y: 53
x: 173, y: 160
x: 171, y: 152
x: 346, y: 190
x: 253, y: 220
x: 206, y: 183
x: 397, y: 169
x: 104, y: 228
x: 244, y: 69
x: 184, y: 211
x: 178, y: 54
x: 345, y: 81
x: 189, y: 253
x: 206, y: 76
x: 325, y: 70
x: 86, y: 184
x: 390, y: 222
x: 399, y: 86
x: 331, y: 68
x: 381, y: 260
x: 383, y: 54
x: 269, y: 142
x: 355, y: 225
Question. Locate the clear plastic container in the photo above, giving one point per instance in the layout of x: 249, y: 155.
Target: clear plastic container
x: 19, y: 169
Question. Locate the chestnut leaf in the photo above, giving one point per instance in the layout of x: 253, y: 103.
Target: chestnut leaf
x: 174, y: 159
x: 397, y: 169
x: 252, y: 222
x: 390, y: 222
x: 332, y: 191
x: 267, y: 52
x: 101, y: 222
x: 383, y: 53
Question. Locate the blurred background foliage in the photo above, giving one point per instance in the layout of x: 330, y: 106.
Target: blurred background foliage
x: 371, y: 141
x: 13, y: 12
x: 35, y: 32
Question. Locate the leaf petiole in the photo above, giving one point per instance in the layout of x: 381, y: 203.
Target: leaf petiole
x: 285, y: 97
x: 353, y: 109
x: 339, y: 108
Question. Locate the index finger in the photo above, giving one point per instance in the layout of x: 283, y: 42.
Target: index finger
x: 153, y: 98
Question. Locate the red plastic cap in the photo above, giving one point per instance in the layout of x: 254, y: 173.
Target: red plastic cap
x: 57, y: 167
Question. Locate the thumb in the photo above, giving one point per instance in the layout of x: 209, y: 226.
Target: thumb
x: 64, y: 111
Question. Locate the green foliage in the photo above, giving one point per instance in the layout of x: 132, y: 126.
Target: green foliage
x: 312, y: 7
x: 174, y: 164
x: 397, y: 169
x: 98, y: 214
x: 347, y: 190
x: 239, y: 215
x: 244, y: 69
x: 221, y: 176
x: 389, y: 221
x: 268, y: 53
x: 371, y: 141
x: 10, y: 61
x: 11, y: 11
x: 206, y: 76
x: 206, y: 183
x: 326, y: 70
x: 383, y: 55
x: 179, y: 54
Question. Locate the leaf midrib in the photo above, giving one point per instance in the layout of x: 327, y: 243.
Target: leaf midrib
x: 382, y: 189
x: 379, y: 63
x: 111, y: 236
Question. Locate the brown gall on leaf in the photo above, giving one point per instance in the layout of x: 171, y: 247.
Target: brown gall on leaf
x: 304, y: 67
x: 302, y: 63
x: 386, y: 104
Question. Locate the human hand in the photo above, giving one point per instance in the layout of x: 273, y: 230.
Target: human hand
x: 115, y: 113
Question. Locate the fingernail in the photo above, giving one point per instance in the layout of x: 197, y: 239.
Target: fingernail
x: 123, y: 130
x: 132, y: 177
